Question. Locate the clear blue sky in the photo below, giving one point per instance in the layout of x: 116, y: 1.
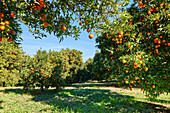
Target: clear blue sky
x: 30, y: 45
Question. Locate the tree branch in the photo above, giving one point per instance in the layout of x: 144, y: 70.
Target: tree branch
x: 27, y: 3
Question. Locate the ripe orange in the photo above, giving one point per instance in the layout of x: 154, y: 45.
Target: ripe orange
x: 12, y: 32
x: 44, y: 16
x: 127, y: 71
x: 9, y: 40
x: 126, y: 82
x: 88, y: 30
x: 2, y: 15
x: 120, y: 33
x: 12, y: 14
x: 149, y: 12
x: 124, y: 61
x: 64, y: 28
x: 2, y: 27
x: 146, y: 69
x: 7, y: 22
x: 153, y: 86
x: 90, y: 36
x: 2, y: 24
x: 42, y: 19
x: 80, y: 23
x: 136, y: 78
x: 161, y: 5
x: 46, y: 24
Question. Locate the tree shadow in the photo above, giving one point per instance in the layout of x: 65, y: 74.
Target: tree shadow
x: 90, y: 100
x: 90, y: 85
x: 94, y: 84
x: 0, y: 104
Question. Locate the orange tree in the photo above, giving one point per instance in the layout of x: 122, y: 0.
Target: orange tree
x: 55, y: 16
x: 89, y: 67
x: 52, y: 69
x: 84, y: 73
x: 99, y: 68
x: 137, y: 50
x: 42, y: 70
x: 71, y: 63
x: 11, y: 56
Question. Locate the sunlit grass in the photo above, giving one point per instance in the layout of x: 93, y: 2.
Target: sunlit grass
x: 80, y: 98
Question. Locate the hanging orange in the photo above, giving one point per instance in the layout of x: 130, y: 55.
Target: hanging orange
x: 46, y: 24
x: 64, y: 28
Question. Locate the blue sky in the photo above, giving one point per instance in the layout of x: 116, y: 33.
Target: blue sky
x: 30, y: 45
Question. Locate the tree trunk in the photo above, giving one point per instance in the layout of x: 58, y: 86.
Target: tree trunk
x: 42, y: 89
x: 3, y: 84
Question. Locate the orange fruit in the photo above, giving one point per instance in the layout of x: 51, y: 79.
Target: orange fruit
x: 2, y: 15
x: 2, y: 27
x: 7, y: 22
x: 120, y: 33
x: 9, y: 40
x: 42, y: 19
x: 153, y: 86
x: 124, y: 61
x: 64, y: 28
x: 12, y: 14
x: 149, y: 12
x: 44, y: 16
x: 136, y: 78
x: 88, y: 30
x: 90, y: 36
x: 161, y: 5
x: 146, y: 69
x: 140, y: 62
x: 80, y: 23
x: 127, y: 71
x: 2, y: 24
x: 46, y: 24
x: 126, y: 82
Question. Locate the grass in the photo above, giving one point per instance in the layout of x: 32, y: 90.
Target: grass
x: 81, y: 98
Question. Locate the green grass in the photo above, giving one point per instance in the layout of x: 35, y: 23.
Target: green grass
x: 81, y: 98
